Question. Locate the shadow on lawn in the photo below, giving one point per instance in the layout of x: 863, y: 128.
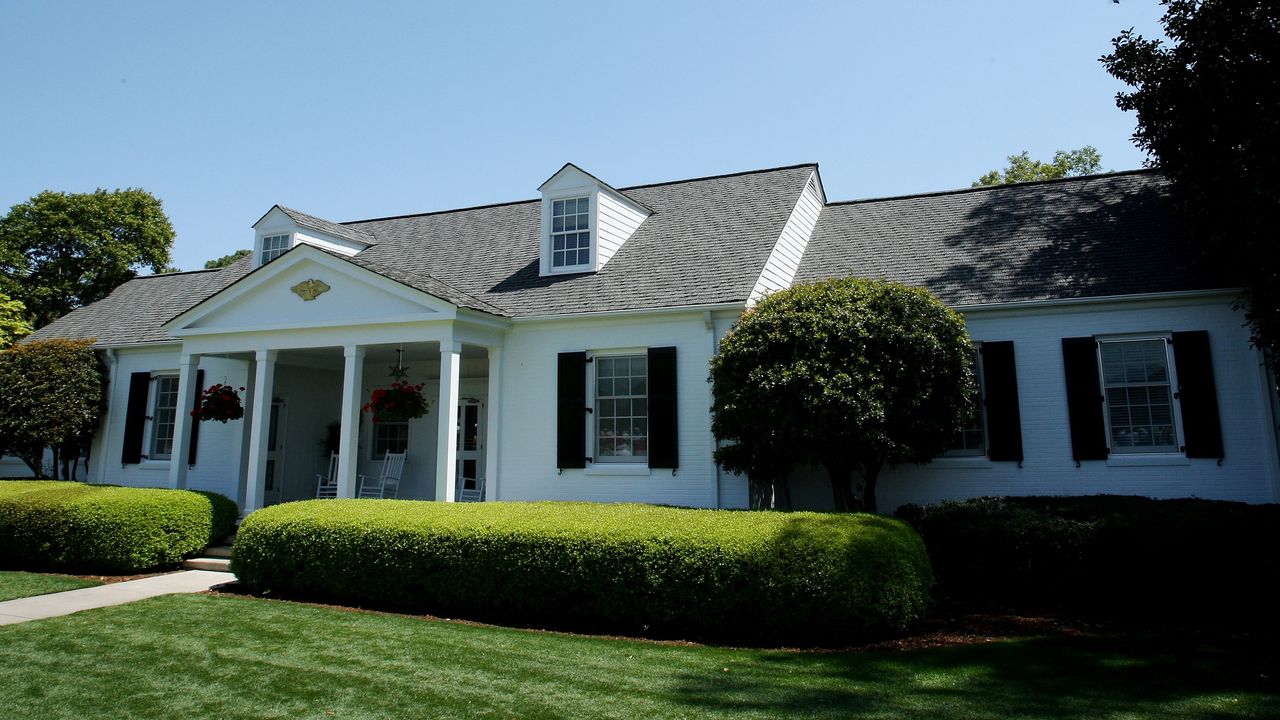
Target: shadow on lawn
x: 1049, y: 678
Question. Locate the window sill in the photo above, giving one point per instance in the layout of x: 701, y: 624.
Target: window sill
x: 153, y: 465
x: 976, y: 462
x: 619, y: 469
x: 1152, y: 460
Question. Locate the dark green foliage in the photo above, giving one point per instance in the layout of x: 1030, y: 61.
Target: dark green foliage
x: 224, y: 513
x: 848, y: 374
x: 52, y: 394
x: 68, y: 526
x: 1208, y: 111
x: 226, y: 260
x: 1184, y: 560
x: 640, y: 569
x: 1065, y: 163
x: 59, y: 251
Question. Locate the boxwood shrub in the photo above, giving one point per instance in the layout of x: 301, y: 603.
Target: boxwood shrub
x: 75, y: 527
x: 638, y: 569
x: 1188, y: 560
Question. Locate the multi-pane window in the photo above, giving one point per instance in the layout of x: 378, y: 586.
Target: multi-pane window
x: 971, y: 440
x: 273, y: 246
x: 622, y: 408
x: 1135, y: 375
x: 164, y: 414
x: 571, y: 232
x: 390, y: 437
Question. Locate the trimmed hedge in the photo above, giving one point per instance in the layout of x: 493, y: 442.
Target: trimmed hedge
x: 1190, y: 561
x: 639, y: 569
x: 71, y: 526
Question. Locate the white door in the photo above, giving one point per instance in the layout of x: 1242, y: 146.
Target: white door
x: 275, y: 454
x: 470, y: 446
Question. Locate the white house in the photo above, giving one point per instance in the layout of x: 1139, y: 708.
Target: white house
x: 565, y: 343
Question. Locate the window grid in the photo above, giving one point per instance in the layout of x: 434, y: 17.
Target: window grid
x: 164, y: 417
x: 571, y: 232
x: 622, y: 408
x: 273, y: 246
x: 390, y: 437
x: 1139, y: 399
x: 971, y: 439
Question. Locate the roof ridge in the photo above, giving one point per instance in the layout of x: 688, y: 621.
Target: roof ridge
x: 1002, y: 186
x: 618, y: 189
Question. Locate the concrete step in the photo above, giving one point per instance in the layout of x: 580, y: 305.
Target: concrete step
x: 217, y: 564
x: 222, y: 551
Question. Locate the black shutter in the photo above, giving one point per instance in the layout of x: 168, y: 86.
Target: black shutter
x: 1198, y: 395
x: 1000, y: 385
x: 1084, y: 399
x: 135, y: 418
x: 571, y: 410
x: 663, y: 440
x: 195, y: 424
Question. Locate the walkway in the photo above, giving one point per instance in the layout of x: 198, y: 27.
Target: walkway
x: 65, y: 603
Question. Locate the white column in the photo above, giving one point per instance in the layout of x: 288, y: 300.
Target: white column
x: 349, y: 436
x: 187, y: 371
x: 259, y: 434
x: 491, y: 424
x: 447, y: 440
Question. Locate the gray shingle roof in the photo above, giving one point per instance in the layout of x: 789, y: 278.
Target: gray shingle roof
x: 1096, y: 236
x: 332, y: 228
x: 134, y: 312
x: 706, y: 243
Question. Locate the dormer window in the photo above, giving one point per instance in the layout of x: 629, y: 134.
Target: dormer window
x: 273, y: 246
x: 571, y: 232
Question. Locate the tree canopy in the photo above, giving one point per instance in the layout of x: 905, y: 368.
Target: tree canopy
x: 1065, y: 163
x: 1208, y: 113
x: 59, y: 251
x: 52, y: 394
x: 13, y: 321
x: 226, y: 260
x: 849, y: 374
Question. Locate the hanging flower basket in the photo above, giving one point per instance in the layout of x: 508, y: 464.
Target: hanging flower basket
x: 400, y: 402
x: 219, y: 402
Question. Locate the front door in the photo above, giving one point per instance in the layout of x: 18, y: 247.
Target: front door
x: 275, y: 454
x: 470, y: 449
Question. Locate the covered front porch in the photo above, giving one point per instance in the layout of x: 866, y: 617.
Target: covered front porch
x: 316, y: 334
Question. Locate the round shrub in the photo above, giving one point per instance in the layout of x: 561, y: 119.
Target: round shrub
x: 763, y: 577
x: 69, y: 526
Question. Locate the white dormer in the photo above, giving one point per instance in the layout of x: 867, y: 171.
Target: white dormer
x: 584, y: 221
x: 281, y: 229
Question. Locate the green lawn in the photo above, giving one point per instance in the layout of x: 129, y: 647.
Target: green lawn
x: 20, y: 584
x: 229, y: 657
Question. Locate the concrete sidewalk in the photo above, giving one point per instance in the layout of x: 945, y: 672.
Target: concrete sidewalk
x: 65, y: 603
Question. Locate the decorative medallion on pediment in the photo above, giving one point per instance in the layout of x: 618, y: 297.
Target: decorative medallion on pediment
x: 309, y: 290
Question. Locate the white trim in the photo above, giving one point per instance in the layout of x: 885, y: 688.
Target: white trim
x: 1099, y: 299
x: 1147, y: 459
x: 1171, y: 376
x: 619, y: 469
x: 677, y: 309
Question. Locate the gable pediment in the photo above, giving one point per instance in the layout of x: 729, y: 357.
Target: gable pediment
x: 307, y: 287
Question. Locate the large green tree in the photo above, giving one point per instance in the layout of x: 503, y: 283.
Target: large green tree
x: 1208, y: 112
x: 1065, y: 163
x: 59, y: 251
x: 52, y: 394
x: 226, y: 260
x: 848, y: 374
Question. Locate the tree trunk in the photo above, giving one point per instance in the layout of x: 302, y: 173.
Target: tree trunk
x: 870, y: 473
x: 842, y: 498
x: 34, y: 459
x: 782, y: 493
x: 759, y: 492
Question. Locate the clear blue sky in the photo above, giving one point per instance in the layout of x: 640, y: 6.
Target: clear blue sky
x: 358, y: 110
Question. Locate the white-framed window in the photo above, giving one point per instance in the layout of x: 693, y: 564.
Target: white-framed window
x: 621, y: 408
x: 571, y: 232
x: 1138, y: 382
x: 273, y: 246
x: 164, y: 415
x: 972, y: 438
x: 389, y: 437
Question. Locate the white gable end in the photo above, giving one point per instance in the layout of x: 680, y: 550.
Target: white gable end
x: 780, y: 269
x: 279, y: 231
x: 609, y: 217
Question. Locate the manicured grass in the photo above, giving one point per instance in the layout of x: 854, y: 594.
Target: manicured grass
x: 227, y: 657
x: 15, y: 585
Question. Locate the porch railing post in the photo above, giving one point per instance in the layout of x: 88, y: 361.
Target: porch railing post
x: 447, y: 421
x: 348, y: 437
x: 259, y: 434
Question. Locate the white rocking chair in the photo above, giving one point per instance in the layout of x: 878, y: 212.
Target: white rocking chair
x: 387, y: 483
x: 472, y: 494
x: 327, y: 485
